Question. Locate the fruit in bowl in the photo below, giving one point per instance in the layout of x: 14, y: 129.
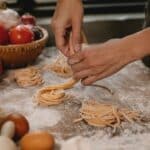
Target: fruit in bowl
x: 38, y: 34
x: 21, y: 29
x: 22, y: 42
x: 21, y: 34
x: 4, y: 37
x: 20, y: 55
x: 28, y: 19
x: 8, y: 17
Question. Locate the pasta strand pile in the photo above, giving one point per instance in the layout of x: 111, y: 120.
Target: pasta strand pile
x: 28, y: 77
x: 54, y: 94
x: 60, y: 67
x: 102, y: 115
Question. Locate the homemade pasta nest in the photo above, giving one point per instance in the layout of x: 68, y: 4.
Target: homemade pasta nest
x: 60, y: 67
x: 47, y: 97
x: 54, y: 94
x: 28, y: 77
x: 102, y: 115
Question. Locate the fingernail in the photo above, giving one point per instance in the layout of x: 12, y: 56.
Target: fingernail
x: 71, y: 61
x: 77, y: 47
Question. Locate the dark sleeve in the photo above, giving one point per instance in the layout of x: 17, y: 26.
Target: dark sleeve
x: 147, y: 15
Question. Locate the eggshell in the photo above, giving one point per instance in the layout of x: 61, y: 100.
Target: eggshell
x: 21, y: 124
x: 8, y: 129
x: 7, y: 144
x: 39, y: 140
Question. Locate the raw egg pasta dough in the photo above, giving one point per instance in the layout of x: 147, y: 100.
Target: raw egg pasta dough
x: 54, y: 94
x: 60, y: 67
x: 102, y: 115
x: 28, y: 77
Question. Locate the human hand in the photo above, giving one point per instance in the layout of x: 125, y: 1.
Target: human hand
x: 96, y: 62
x: 68, y: 15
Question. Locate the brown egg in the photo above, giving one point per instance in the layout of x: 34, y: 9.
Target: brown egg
x: 39, y: 140
x: 21, y: 124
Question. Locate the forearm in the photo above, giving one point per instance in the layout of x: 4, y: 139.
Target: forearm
x: 138, y: 44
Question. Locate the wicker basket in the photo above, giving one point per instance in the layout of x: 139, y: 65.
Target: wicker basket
x: 14, y: 56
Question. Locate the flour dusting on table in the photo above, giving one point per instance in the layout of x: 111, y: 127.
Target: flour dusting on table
x: 131, y: 86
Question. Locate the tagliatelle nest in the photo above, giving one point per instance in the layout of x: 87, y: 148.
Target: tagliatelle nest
x: 102, y: 115
x: 54, y: 94
x: 60, y: 67
x: 48, y: 97
x: 28, y: 77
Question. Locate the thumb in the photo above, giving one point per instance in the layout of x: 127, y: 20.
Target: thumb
x: 76, y: 35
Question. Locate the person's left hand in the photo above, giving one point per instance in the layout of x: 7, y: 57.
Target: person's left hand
x: 96, y: 62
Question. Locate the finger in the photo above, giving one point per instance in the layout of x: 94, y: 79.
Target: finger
x: 89, y: 80
x: 60, y: 40
x: 66, y: 51
x: 111, y: 70
x: 89, y: 72
x: 76, y: 58
x: 76, y: 34
x: 79, y: 66
x: 71, y: 47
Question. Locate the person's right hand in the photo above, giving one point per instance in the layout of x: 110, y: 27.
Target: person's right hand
x: 68, y: 14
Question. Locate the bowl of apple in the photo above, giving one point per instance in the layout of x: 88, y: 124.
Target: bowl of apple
x: 22, y: 41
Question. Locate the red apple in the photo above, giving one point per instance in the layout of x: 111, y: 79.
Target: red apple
x: 21, y: 34
x: 4, y: 36
x: 28, y: 19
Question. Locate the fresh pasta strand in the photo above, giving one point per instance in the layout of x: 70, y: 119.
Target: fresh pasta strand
x: 60, y: 67
x: 54, y: 94
x: 28, y: 77
x: 102, y: 115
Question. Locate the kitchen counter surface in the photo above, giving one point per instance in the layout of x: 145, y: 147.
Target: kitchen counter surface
x: 131, y: 87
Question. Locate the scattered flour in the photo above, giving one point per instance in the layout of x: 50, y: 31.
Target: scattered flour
x: 137, y: 141
x: 106, y: 143
x: 131, y: 86
x: 43, y: 117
